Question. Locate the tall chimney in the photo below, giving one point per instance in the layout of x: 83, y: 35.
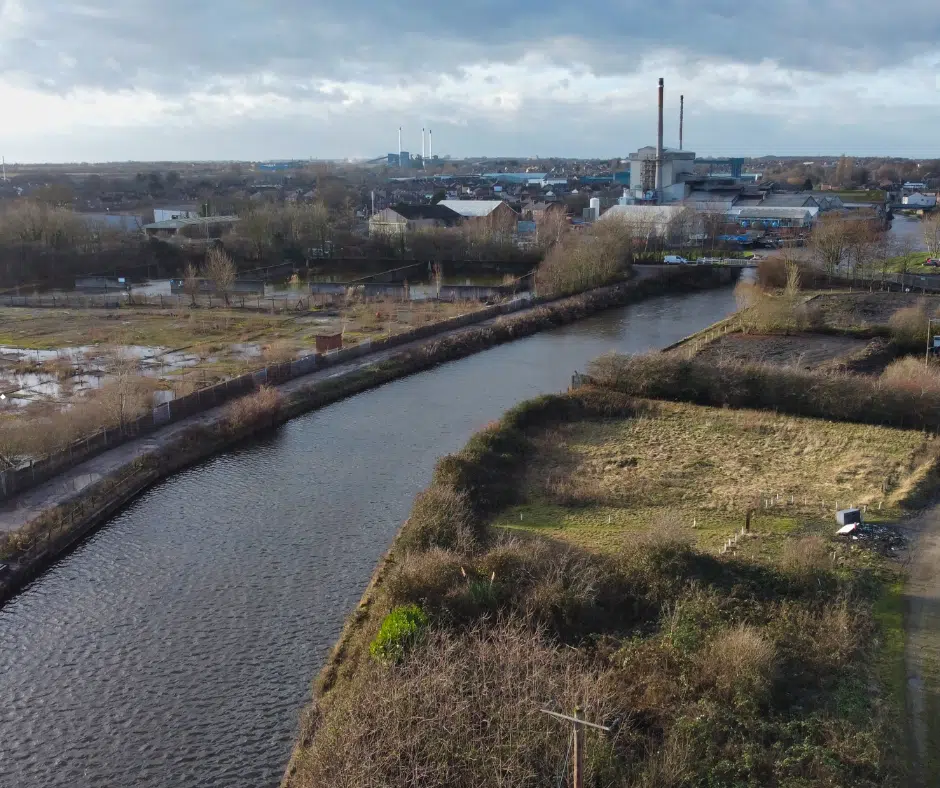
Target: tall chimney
x: 659, y: 143
x: 399, y: 146
x: 681, y: 118
x: 429, y: 143
x: 422, y: 144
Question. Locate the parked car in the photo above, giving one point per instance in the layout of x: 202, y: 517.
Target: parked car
x: 674, y: 259
x: 932, y: 261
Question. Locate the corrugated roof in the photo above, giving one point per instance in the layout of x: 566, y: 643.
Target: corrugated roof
x: 656, y: 213
x: 777, y: 213
x: 472, y: 208
x: 176, y: 224
x: 789, y: 201
x: 438, y: 211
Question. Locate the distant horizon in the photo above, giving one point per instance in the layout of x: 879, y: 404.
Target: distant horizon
x: 451, y: 160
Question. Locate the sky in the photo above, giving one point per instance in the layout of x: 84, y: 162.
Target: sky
x: 101, y: 80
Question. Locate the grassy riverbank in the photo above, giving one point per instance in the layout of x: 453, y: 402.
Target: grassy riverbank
x: 573, y: 554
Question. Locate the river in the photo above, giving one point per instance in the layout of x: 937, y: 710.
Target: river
x: 177, y: 645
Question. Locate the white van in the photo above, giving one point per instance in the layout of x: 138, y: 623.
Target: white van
x: 674, y: 259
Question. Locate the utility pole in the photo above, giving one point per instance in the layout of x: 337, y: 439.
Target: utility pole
x: 578, y: 724
x: 930, y: 322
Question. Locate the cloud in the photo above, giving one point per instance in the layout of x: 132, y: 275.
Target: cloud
x: 151, y: 80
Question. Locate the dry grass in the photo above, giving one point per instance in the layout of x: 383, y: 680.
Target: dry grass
x: 714, y: 459
x: 740, y: 661
x: 462, y: 711
x: 254, y: 409
x: 696, y: 661
x: 909, y: 325
x: 913, y: 375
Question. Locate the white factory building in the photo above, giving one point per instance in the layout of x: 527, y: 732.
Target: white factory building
x: 677, y: 168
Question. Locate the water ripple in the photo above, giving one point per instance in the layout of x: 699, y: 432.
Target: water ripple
x: 175, y: 648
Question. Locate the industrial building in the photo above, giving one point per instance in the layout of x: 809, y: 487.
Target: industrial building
x: 404, y: 218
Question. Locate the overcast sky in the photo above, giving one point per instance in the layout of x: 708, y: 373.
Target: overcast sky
x: 111, y: 80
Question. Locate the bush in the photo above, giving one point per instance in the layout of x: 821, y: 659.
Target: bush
x: 443, y: 517
x: 908, y: 326
x: 254, y: 410
x: 586, y: 260
x: 740, y: 663
x: 399, y: 632
x: 462, y: 711
x: 913, y: 376
x: 839, y: 397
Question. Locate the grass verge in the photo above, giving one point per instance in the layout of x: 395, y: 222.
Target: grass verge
x: 759, y: 666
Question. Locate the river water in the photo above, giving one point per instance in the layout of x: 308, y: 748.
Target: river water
x: 176, y: 646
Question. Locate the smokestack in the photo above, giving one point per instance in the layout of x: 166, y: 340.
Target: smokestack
x: 399, y: 146
x: 659, y: 143
x: 422, y: 144
x: 681, y: 118
x: 429, y: 143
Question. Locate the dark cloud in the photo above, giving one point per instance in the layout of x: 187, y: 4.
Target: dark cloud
x: 172, y: 45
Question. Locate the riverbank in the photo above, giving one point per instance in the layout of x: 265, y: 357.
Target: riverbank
x: 573, y: 554
x: 68, y: 502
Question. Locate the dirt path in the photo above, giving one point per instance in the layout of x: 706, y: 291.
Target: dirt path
x: 922, y: 653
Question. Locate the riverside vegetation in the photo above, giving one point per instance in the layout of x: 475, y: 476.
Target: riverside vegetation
x: 572, y: 554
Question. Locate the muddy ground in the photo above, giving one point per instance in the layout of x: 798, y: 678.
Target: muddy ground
x: 809, y: 351
x: 867, y: 310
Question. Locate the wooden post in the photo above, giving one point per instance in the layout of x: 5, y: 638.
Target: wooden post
x: 578, y: 765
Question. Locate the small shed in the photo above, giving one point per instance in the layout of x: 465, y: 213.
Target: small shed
x: 327, y: 342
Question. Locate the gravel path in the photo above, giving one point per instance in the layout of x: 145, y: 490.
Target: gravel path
x: 922, y: 653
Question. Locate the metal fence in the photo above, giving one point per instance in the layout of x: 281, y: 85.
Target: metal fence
x: 16, y: 480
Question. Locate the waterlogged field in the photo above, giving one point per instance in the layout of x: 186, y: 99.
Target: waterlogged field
x: 65, y: 374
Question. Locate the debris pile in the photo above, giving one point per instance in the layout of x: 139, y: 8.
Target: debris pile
x: 884, y: 538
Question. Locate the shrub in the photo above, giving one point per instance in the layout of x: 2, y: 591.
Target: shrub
x: 908, y: 326
x: 840, y: 397
x: 254, y: 410
x: 740, y: 663
x: 442, y: 517
x: 913, y: 376
x: 586, y: 260
x: 425, y: 578
x: 807, y: 558
x: 461, y: 711
x: 399, y: 631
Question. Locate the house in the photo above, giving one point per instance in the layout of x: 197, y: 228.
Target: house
x: 919, y: 200
x: 495, y: 213
x: 538, y: 211
x: 403, y: 218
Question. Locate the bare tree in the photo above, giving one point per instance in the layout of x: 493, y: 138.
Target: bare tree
x: 191, y: 283
x: 551, y: 226
x: 829, y: 242
x: 932, y: 234
x: 221, y: 270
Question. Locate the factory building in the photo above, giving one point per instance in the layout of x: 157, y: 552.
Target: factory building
x: 676, y: 167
